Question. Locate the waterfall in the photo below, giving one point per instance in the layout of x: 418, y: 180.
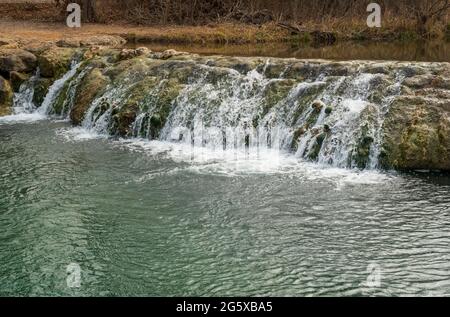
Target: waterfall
x: 333, y: 120
x: 24, y: 107
x: 331, y: 114
x: 56, y: 88
x: 23, y: 99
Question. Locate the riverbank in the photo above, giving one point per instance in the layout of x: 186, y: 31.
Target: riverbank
x: 240, y: 22
x: 211, y: 41
x: 211, y: 34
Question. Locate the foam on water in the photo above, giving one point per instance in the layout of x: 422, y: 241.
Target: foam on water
x: 24, y: 109
x: 227, y: 119
x: 22, y: 118
x: 79, y: 134
x: 232, y: 163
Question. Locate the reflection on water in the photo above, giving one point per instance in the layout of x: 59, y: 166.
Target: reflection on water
x: 401, y: 51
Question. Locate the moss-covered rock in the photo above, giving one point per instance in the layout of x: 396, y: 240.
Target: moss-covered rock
x: 41, y: 87
x: 17, y: 79
x: 275, y: 92
x: 313, y: 154
x: 60, y: 102
x: 361, y: 154
x: 92, y: 86
x: 55, y: 62
x: 124, y: 118
x: 417, y: 135
x: 167, y: 97
x: 6, y: 97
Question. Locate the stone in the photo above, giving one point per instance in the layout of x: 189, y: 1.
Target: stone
x: 420, y: 81
x: 417, y: 135
x: 131, y: 53
x: 168, y: 54
x: 69, y: 42
x: 16, y: 60
x: 6, y: 97
x: 103, y: 40
x: 41, y: 87
x: 318, y: 105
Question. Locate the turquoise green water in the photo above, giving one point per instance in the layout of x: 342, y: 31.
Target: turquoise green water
x: 142, y: 218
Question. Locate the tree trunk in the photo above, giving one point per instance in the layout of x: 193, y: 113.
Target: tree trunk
x: 88, y: 10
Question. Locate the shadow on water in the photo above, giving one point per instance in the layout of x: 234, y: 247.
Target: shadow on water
x: 438, y: 51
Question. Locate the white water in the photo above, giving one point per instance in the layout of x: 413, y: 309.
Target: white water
x: 55, y: 89
x: 218, y: 117
x: 24, y: 109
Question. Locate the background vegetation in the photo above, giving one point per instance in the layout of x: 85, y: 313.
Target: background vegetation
x: 402, y: 19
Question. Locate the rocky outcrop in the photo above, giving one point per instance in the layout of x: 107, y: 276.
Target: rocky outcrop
x: 417, y: 134
x: 6, y: 97
x: 414, y: 132
x: 41, y: 87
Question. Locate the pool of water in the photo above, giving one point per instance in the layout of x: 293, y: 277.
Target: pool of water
x: 153, y: 219
x: 433, y: 51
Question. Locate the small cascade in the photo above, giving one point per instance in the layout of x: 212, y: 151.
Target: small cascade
x: 23, y: 99
x: 55, y: 89
x: 334, y: 120
x: 72, y: 89
x: 332, y: 114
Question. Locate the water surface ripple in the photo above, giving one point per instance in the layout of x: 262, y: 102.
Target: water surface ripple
x: 143, y: 220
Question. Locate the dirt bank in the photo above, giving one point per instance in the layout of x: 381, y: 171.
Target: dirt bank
x: 222, y: 33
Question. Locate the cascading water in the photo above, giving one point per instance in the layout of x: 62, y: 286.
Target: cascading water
x: 23, y: 99
x: 55, y: 89
x: 342, y: 128
x: 24, y: 107
x: 330, y: 117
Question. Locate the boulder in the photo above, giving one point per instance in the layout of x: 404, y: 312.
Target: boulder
x: 6, y: 41
x: 16, y: 60
x: 417, y: 135
x: 55, y: 62
x: 318, y: 105
x: 131, y: 53
x: 6, y: 97
x: 168, y: 54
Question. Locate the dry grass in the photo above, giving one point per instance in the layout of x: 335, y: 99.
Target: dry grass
x: 228, y: 33
x: 218, y: 34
